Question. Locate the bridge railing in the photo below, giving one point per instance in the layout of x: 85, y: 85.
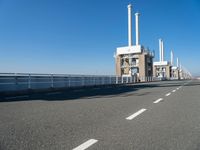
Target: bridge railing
x: 23, y: 81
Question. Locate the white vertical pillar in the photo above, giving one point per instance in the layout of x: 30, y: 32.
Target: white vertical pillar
x: 129, y: 25
x: 137, y: 28
x: 172, y: 58
x: 177, y: 62
x: 162, y: 54
x: 160, y: 49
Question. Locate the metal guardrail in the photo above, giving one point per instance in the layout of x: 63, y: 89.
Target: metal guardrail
x: 24, y: 81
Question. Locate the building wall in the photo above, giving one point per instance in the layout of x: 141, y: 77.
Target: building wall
x: 145, y: 65
x: 168, y: 75
x: 142, y: 65
x: 118, y: 65
x: 167, y: 71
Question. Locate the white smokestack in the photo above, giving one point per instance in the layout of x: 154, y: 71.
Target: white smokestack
x: 172, y: 58
x: 137, y: 28
x: 129, y: 25
x: 177, y: 62
x: 160, y: 49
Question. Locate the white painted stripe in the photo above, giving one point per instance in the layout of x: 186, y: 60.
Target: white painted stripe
x: 136, y: 114
x: 25, y: 96
x: 177, y: 88
x: 174, y: 91
x: 86, y: 144
x: 168, y: 94
x: 157, y: 101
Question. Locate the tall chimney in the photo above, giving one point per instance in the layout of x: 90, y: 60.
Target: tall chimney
x: 129, y: 25
x: 160, y: 49
x: 172, y: 58
x: 137, y: 28
x: 177, y: 62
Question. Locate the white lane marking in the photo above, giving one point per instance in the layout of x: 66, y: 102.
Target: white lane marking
x: 86, y: 144
x: 168, y: 94
x: 53, y: 93
x: 174, y: 91
x: 25, y: 96
x: 136, y: 114
x: 177, y: 88
x: 158, y: 100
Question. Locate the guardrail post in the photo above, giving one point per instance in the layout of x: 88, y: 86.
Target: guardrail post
x: 29, y: 81
x: 94, y: 81
x: 69, y: 81
x: 52, y: 81
x: 83, y: 81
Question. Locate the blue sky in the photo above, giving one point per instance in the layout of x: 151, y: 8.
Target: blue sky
x: 80, y: 36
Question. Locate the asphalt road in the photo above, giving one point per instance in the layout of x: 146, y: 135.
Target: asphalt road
x: 153, y: 116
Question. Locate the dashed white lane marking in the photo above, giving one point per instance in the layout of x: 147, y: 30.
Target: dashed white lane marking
x: 168, y: 94
x: 25, y: 96
x: 136, y: 114
x: 158, y: 100
x: 177, y: 88
x: 174, y: 91
x: 86, y: 144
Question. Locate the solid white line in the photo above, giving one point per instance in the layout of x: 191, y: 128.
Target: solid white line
x: 174, y: 91
x: 157, y: 101
x: 86, y: 144
x: 136, y: 114
x: 168, y: 94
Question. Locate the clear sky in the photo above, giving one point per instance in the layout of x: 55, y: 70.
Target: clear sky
x: 81, y: 36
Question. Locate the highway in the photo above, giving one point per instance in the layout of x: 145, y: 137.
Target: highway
x: 146, y: 116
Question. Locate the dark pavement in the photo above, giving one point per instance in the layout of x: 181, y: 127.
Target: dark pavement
x: 66, y: 119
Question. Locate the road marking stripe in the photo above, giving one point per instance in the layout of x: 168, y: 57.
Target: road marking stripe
x: 25, y: 96
x: 157, y: 101
x: 174, y: 91
x: 86, y: 144
x: 168, y: 94
x: 136, y: 114
x: 177, y: 88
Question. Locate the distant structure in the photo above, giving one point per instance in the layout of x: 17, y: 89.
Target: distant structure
x: 161, y: 68
x: 175, y: 74
x: 134, y: 60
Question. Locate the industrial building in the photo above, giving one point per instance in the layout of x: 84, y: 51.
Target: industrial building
x: 134, y: 60
x: 162, y: 68
x: 175, y: 71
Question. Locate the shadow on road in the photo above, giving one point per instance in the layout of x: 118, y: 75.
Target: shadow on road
x: 91, y: 93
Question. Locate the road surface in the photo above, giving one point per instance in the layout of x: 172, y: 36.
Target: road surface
x: 149, y: 116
